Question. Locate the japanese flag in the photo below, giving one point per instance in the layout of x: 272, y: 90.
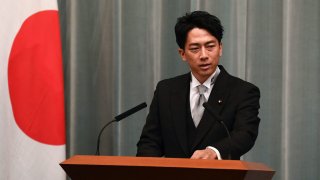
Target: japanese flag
x: 32, y: 118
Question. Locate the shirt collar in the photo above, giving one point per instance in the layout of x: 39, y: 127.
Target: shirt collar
x: 210, y: 81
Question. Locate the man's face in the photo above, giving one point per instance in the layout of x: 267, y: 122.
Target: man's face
x: 202, y: 52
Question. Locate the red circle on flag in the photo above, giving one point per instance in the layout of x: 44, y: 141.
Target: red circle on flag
x: 35, y: 79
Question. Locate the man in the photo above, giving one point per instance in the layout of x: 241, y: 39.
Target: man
x: 177, y: 124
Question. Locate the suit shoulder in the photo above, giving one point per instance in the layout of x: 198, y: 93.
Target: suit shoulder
x: 240, y: 83
x: 174, y: 81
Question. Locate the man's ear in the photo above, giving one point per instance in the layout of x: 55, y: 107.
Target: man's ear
x: 182, y: 54
x: 220, y: 52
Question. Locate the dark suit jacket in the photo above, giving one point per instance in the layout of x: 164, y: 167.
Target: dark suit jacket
x: 234, y: 100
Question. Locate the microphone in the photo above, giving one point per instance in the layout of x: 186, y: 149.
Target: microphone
x: 219, y: 119
x: 117, y: 119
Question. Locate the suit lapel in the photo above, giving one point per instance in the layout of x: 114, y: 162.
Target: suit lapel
x: 179, y: 107
x: 217, y: 101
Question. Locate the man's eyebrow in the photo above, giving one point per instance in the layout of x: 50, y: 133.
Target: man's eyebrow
x: 194, y: 44
x: 206, y: 43
x: 212, y: 41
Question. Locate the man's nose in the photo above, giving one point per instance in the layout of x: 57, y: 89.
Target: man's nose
x: 203, y: 53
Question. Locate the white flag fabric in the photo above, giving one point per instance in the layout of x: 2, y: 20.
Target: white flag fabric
x: 32, y: 118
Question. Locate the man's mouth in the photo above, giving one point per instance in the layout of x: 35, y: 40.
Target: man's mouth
x: 204, y: 66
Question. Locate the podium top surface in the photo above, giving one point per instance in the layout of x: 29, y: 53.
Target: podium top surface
x: 83, y: 167
x: 164, y: 162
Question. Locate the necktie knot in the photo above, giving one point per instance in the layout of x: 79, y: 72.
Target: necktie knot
x: 201, y: 89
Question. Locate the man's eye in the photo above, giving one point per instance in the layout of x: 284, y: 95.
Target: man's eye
x: 194, y: 49
x: 210, y: 47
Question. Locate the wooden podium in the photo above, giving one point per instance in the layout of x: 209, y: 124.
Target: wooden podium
x: 82, y: 167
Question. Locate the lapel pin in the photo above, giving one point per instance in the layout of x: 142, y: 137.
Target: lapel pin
x: 219, y: 101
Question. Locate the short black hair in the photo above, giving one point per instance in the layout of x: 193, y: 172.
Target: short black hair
x: 197, y: 19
